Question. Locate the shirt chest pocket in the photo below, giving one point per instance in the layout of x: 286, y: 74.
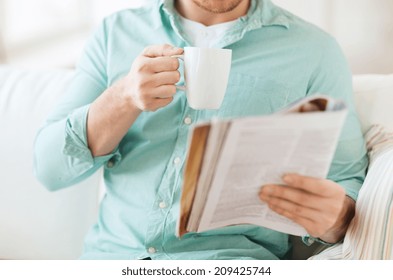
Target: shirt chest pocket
x: 250, y: 95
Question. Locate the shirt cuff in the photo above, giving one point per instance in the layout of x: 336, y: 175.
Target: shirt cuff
x: 351, y: 187
x: 309, y: 240
x: 76, y: 146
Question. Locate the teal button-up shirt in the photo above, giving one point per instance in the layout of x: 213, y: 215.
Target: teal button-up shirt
x: 277, y: 58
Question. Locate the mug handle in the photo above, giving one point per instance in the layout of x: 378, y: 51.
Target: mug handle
x: 181, y: 57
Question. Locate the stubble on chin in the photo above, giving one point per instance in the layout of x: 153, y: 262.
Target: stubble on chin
x: 217, y: 6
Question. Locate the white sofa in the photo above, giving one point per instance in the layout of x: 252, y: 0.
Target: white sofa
x: 37, y: 224
x: 34, y: 223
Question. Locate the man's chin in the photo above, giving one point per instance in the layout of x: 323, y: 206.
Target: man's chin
x: 217, y: 6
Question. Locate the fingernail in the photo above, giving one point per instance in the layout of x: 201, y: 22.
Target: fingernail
x: 288, y: 179
x: 267, y: 190
x: 263, y: 196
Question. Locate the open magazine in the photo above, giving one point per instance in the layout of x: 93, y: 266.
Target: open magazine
x: 228, y: 162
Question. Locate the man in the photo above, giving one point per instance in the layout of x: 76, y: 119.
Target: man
x: 122, y: 112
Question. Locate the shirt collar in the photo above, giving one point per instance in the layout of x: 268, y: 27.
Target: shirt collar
x: 261, y: 13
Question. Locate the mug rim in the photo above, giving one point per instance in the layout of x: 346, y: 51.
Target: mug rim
x: 207, y: 49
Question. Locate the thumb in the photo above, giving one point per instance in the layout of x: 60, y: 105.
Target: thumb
x: 161, y: 50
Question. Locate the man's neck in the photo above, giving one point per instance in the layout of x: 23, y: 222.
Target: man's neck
x: 190, y: 10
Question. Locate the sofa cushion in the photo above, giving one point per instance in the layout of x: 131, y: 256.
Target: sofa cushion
x: 374, y: 100
x: 36, y: 224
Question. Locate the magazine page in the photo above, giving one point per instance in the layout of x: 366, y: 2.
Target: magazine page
x: 214, y: 143
x: 313, y: 103
x: 259, y: 151
x: 197, y: 144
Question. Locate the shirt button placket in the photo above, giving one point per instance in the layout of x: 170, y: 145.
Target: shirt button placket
x: 162, y: 205
x: 151, y: 250
x: 177, y: 161
x: 187, y: 121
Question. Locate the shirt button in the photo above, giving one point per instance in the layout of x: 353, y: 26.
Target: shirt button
x: 188, y: 121
x: 151, y: 250
x: 162, y: 205
x: 110, y: 164
x: 177, y: 161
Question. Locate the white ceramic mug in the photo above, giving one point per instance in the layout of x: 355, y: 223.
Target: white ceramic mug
x: 206, y: 74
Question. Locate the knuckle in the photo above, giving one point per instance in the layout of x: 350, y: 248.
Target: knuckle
x: 297, y: 209
x: 144, y: 98
x: 135, y: 63
x: 299, y: 180
x: 342, y: 192
x: 277, y: 191
x: 142, y: 67
x: 274, y: 202
x: 326, y: 192
x: 138, y: 64
x: 146, y: 50
x: 143, y: 84
x: 337, y: 209
x: 165, y: 49
x: 290, y: 215
x: 331, y: 222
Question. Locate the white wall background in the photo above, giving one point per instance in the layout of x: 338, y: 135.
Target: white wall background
x: 364, y: 28
x: 47, y: 33
x: 52, y: 32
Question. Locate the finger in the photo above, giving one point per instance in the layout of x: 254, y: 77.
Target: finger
x: 161, y: 50
x: 310, y: 225
x: 165, y: 91
x: 166, y: 78
x: 161, y: 64
x: 294, y: 195
x: 305, y: 222
x: 293, y: 210
x: 316, y: 186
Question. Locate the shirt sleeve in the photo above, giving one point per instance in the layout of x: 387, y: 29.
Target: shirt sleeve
x: 61, y: 154
x: 333, y: 77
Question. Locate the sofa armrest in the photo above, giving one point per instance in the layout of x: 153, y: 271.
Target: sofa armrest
x: 370, y: 234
